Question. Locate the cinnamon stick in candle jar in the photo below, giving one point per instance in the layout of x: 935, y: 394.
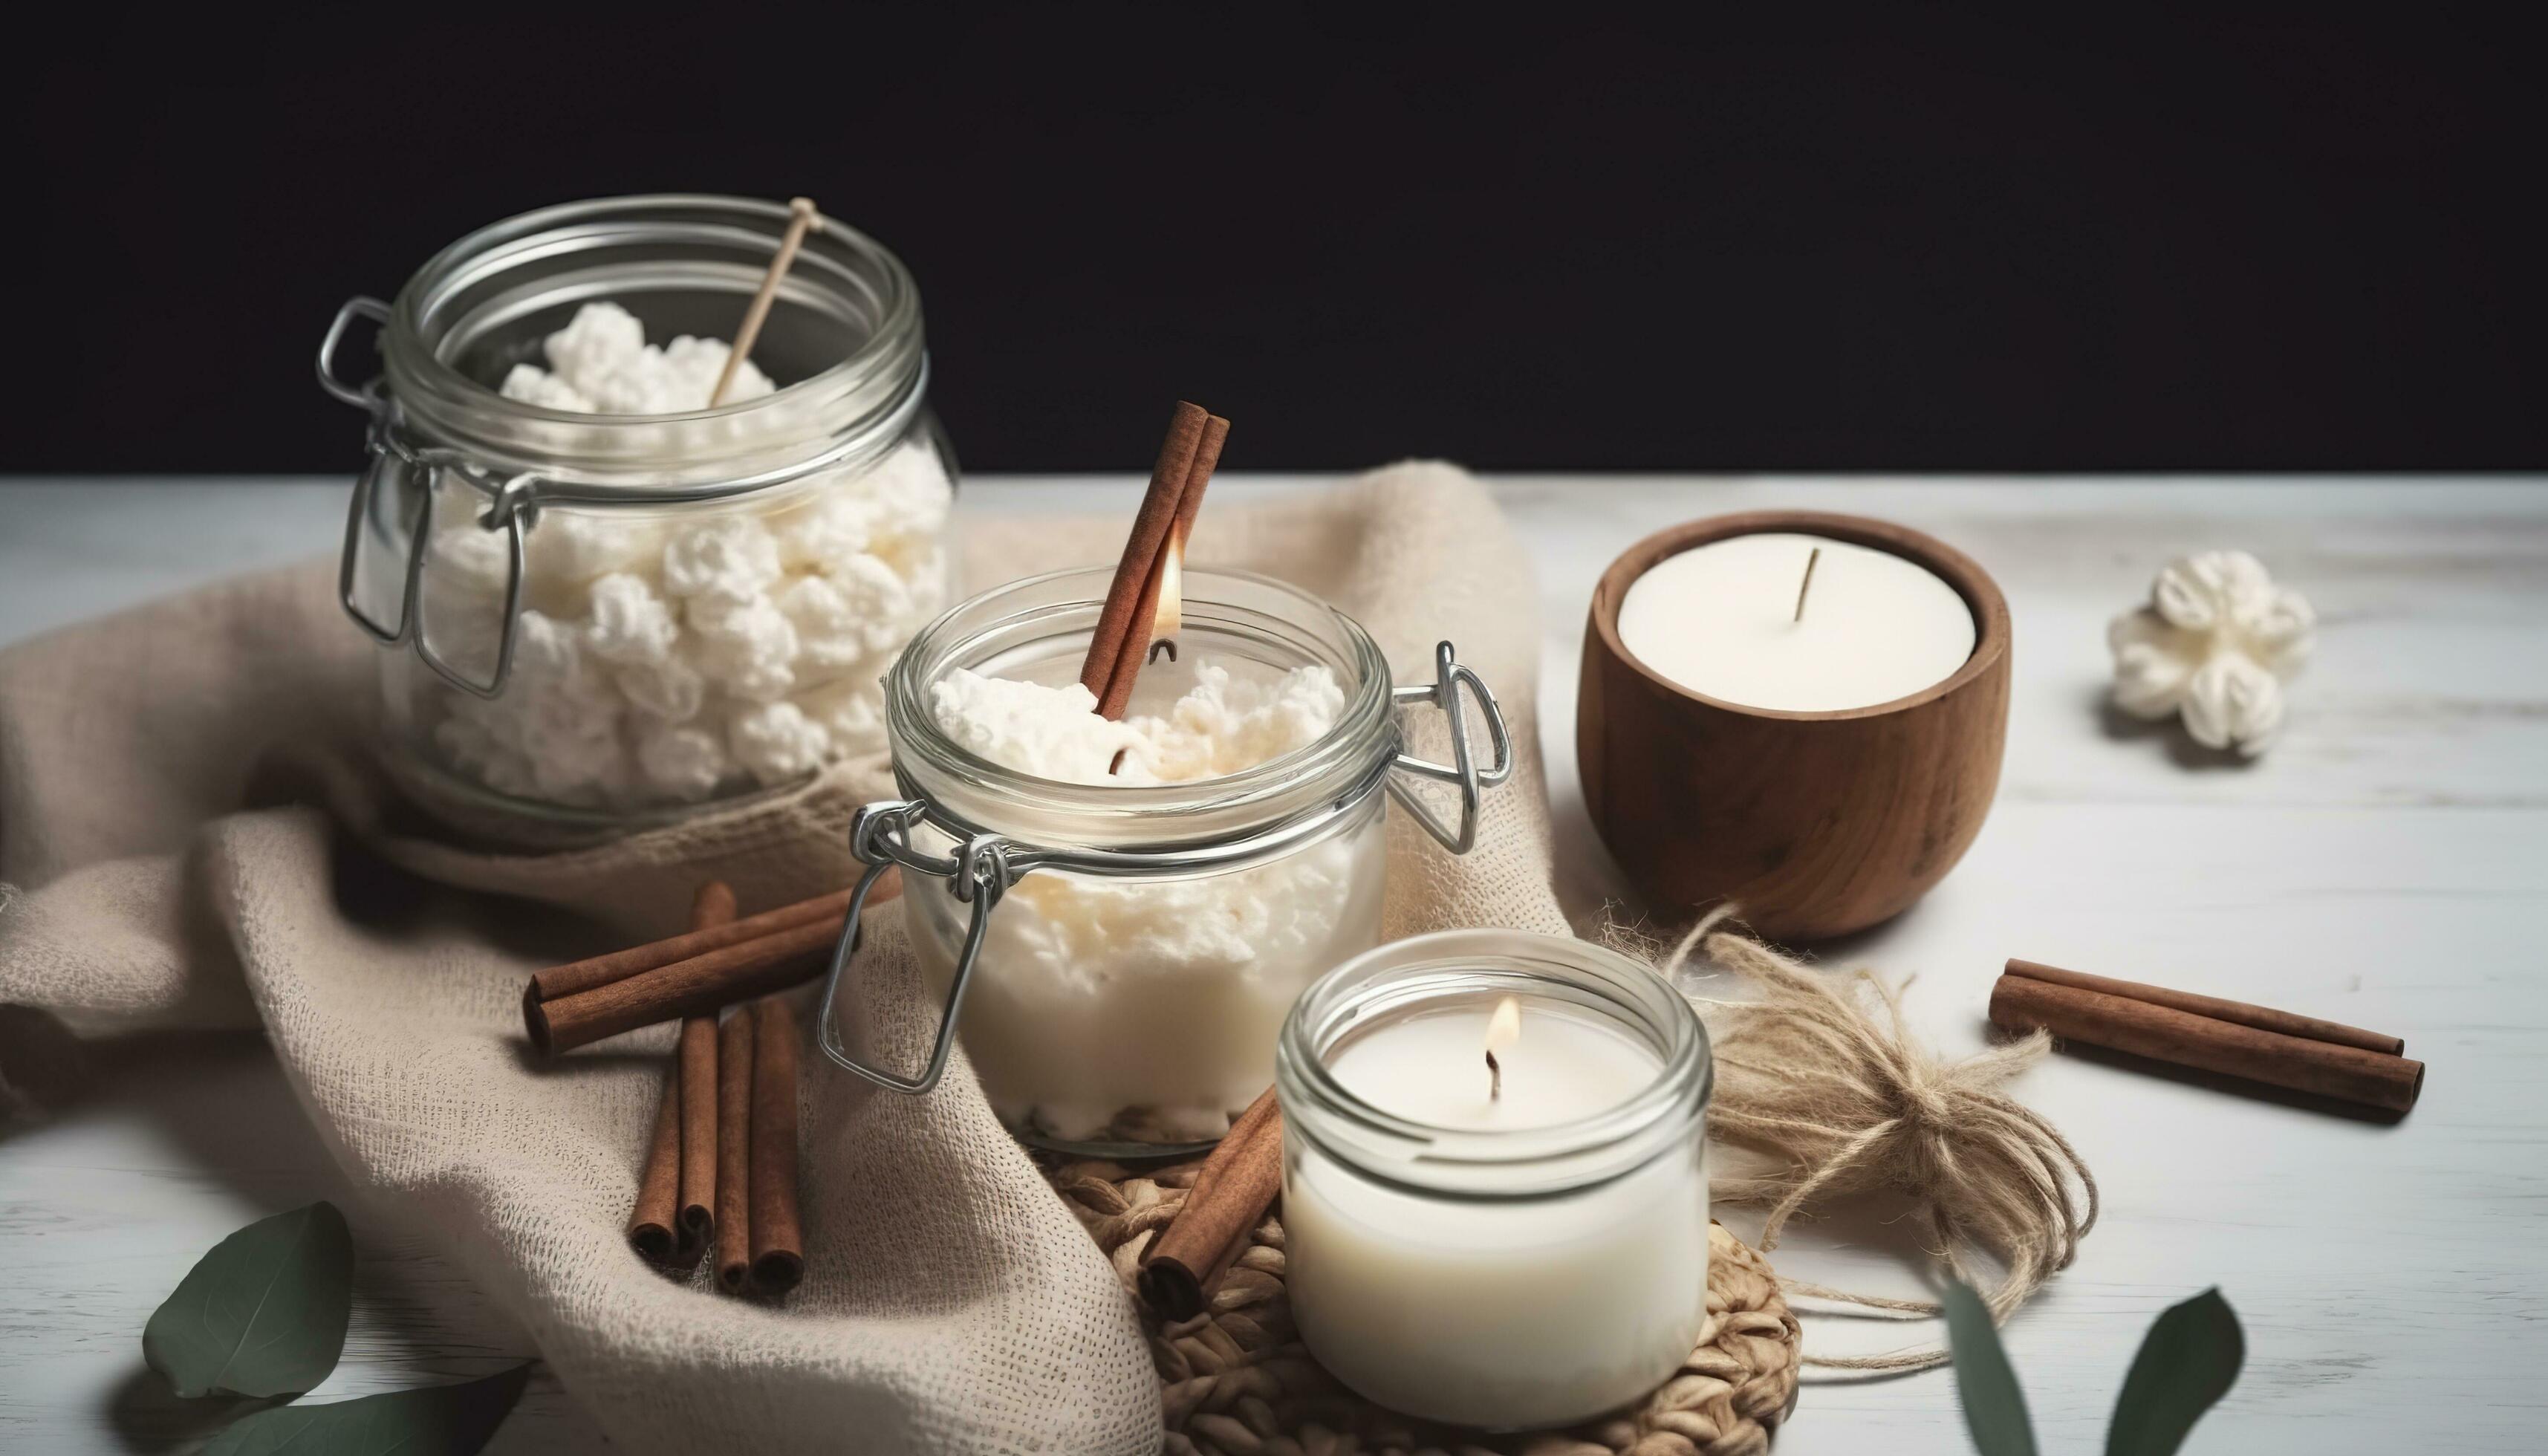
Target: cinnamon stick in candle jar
x: 1153, y: 555
x: 1166, y: 575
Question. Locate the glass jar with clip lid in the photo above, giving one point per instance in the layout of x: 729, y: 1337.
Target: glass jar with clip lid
x: 1121, y: 955
x: 593, y: 617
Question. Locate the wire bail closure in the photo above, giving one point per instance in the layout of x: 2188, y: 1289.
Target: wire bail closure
x: 513, y: 500
x: 985, y: 865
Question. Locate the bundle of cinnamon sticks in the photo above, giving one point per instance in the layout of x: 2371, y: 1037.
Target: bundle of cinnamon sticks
x: 1238, y: 1183
x: 721, y: 1168
x: 2233, y: 1038
x: 687, y: 975
x: 1144, y: 600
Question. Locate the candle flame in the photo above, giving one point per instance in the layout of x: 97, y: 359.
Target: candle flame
x: 1172, y: 598
x: 1505, y: 1027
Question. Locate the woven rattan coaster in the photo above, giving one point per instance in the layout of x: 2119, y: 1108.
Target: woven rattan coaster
x: 1238, y: 1382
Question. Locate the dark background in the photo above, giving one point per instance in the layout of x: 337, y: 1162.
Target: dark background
x: 1906, y: 238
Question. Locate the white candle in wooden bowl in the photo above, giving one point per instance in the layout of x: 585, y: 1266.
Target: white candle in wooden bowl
x: 1722, y: 619
x: 1525, y: 1259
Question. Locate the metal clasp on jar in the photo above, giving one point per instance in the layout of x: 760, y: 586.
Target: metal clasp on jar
x: 983, y: 866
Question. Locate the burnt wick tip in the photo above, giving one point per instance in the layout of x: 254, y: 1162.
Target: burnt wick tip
x: 1167, y: 644
x: 1495, y: 1079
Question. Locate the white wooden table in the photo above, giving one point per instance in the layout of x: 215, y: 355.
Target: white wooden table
x: 2387, y: 865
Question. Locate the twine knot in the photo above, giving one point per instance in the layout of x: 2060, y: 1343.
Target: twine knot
x: 1822, y: 1074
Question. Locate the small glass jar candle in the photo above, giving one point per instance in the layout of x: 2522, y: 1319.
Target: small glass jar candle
x: 1520, y: 1245
x: 1122, y: 956
x: 595, y: 619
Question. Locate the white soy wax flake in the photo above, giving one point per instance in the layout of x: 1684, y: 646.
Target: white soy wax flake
x: 748, y: 647
x: 732, y: 557
x: 630, y: 625
x: 671, y: 691
x: 601, y: 364
x: 777, y: 742
x: 651, y: 620
x: 682, y: 762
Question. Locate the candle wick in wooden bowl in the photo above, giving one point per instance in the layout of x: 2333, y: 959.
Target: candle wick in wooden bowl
x: 1807, y: 585
x: 801, y: 219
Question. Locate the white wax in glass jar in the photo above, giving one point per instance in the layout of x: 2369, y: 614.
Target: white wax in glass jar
x: 1500, y: 1311
x: 1721, y: 619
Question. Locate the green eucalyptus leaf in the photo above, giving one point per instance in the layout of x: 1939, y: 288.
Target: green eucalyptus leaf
x: 1994, y: 1407
x: 437, y: 1420
x: 2189, y: 1359
x: 261, y: 1315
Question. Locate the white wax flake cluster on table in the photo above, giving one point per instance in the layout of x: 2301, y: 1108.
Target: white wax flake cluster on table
x: 2216, y: 643
x: 1221, y: 725
x: 665, y: 657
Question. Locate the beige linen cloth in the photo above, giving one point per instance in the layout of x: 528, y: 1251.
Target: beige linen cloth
x: 194, y: 832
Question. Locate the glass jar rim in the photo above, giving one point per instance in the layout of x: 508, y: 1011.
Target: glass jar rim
x: 1403, y: 977
x: 1334, y: 772
x: 869, y: 394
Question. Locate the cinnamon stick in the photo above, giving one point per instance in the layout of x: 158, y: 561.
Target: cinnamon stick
x: 2208, y: 1044
x: 651, y: 1225
x: 2263, y: 1018
x: 559, y: 981
x: 1238, y: 1183
x: 692, y: 987
x: 778, y: 1242
x: 1151, y: 527
x: 713, y: 906
x: 1170, y: 566
x: 734, y: 1152
x: 699, y: 1071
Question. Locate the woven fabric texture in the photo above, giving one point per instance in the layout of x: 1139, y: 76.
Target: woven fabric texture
x: 195, y: 832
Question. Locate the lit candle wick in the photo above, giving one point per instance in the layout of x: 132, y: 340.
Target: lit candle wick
x: 1502, y: 1029
x: 1807, y: 585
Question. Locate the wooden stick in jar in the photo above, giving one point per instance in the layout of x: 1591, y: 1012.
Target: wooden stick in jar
x: 803, y: 218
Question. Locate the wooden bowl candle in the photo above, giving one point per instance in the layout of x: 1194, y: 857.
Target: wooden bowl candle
x: 1799, y: 712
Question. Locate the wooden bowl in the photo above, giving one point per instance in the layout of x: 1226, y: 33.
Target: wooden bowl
x: 1815, y: 824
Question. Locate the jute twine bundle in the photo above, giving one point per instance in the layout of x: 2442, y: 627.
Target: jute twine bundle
x: 1820, y: 1074
x: 1237, y: 1380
